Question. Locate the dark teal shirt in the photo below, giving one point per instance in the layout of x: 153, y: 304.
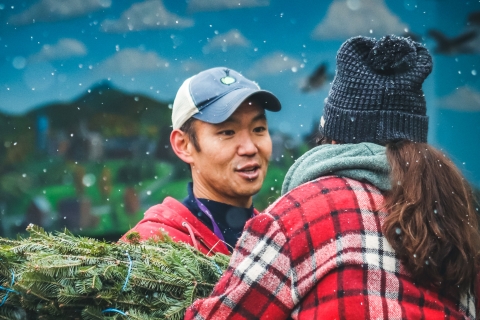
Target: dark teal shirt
x: 230, y: 219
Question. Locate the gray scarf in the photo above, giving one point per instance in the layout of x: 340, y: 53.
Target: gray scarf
x: 362, y: 162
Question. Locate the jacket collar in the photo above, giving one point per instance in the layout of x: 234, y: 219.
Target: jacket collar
x: 182, y: 215
x: 230, y: 220
x: 361, y: 162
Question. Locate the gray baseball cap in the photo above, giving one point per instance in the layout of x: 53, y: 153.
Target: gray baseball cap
x: 213, y: 95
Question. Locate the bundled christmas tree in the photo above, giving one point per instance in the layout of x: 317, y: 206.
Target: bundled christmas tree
x: 62, y: 276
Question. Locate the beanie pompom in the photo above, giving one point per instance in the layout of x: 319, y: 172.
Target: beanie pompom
x: 392, y: 54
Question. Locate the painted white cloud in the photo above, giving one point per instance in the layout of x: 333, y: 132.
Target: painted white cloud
x: 146, y: 15
x: 55, y: 10
x: 130, y: 61
x: 274, y: 64
x: 348, y: 18
x: 463, y: 99
x: 225, y: 41
x: 217, y: 5
x: 191, y: 66
x: 63, y: 49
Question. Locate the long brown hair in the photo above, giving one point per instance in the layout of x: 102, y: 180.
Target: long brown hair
x: 432, y: 223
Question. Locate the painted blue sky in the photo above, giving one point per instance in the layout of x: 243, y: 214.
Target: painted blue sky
x: 54, y: 50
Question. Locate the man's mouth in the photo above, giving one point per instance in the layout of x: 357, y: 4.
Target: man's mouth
x: 249, y: 172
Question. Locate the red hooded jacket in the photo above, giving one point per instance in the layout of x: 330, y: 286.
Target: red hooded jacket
x: 173, y: 218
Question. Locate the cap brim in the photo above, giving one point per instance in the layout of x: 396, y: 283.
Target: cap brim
x: 221, y: 109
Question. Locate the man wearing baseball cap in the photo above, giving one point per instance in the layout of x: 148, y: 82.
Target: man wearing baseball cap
x: 220, y: 130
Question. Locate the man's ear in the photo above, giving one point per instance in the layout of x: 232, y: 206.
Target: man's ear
x: 181, y: 145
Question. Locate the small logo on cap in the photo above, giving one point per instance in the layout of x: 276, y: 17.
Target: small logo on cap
x: 227, y: 79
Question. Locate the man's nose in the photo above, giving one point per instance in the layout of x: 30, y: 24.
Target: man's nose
x: 247, y: 146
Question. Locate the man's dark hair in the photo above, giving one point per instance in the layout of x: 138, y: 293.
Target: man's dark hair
x: 189, y: 129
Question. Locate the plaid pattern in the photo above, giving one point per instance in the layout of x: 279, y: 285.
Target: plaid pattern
x: 319, y: 253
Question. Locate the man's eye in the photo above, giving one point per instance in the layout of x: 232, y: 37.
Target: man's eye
x: 259, y: 129
x: 227, y: 132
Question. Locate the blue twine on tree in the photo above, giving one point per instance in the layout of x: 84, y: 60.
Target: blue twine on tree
x: 218, y: 268
x: 123, y: 288
x: 8, y: 289
x: 115, y: 310
x: 129, y: 271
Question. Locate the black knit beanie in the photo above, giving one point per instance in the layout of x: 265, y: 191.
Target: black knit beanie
x: 377, y: 95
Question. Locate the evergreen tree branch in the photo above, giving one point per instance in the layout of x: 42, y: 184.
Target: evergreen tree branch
x: 62, y: 276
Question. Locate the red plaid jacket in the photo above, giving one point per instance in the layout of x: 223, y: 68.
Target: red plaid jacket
x: 319, y: 253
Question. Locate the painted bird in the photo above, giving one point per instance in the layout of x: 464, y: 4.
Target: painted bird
x: 317, y: 79
x: 462, y: 44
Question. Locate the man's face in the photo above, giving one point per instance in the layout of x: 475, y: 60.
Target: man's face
x: 233, y: 160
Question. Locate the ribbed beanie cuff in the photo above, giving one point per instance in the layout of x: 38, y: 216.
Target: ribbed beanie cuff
x: 376, y: 126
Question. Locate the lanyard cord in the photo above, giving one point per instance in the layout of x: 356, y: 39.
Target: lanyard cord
x: 216, y: 229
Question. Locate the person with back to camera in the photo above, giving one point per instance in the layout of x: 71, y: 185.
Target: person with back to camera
x: 374, y: 223
x: 220, y: 131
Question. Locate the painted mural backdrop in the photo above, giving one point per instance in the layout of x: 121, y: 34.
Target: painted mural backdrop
x: 86, y: 88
